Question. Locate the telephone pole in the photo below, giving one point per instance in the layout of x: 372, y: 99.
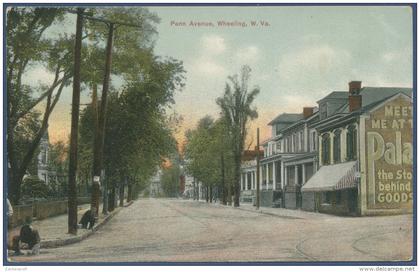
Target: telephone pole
x: 257, y: 148
x: 98, y: 171
x: 100, y: 132
x: 72, y: 195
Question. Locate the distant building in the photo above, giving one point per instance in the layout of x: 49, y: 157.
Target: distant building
x: 289, y: 159
x: 249, y: 175
x: 189, y: 186
x: 156, y: 185
x: 43, y: 158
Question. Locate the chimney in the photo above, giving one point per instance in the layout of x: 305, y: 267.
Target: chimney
x: 307, y: 111
x: 354, y: 87
x: 355, y: 99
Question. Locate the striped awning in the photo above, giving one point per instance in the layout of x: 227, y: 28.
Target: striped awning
x: 349, y: 180
x: 333, y: 177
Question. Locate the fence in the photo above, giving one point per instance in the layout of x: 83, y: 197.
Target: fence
x: 41, y: 210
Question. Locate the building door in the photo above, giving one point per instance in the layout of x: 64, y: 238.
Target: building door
x: 278, y: 175
x: 298, y: 187
x: 352, y: 201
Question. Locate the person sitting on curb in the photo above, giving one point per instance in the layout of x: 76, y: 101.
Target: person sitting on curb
x: 88, y: 218
x: 29, y: 236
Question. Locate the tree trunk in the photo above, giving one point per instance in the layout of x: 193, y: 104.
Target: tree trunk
x: 129, y: 192
x: 223, y: 187
x: 211, y: 194
x: 111, y: 199
x: 229, y: 195
x: 122, y: 194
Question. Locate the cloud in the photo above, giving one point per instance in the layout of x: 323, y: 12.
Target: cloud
x: 319, y: 61
x: 213, y: 44
x: 248, y: 55
x: 404, y: 55
x: 206, y: 66
x: 314, y: 70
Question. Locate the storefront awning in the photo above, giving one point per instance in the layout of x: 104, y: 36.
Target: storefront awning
x: 333, y: 177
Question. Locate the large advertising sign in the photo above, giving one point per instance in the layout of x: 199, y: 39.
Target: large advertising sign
x: 389, y: 156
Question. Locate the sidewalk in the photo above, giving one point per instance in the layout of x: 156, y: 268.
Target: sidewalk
x: 279, y: 212
x: 53, y: 230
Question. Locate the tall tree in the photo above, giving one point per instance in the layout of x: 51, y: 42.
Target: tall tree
x: 27, y: 45
x: 237, y: 110
x: 138, y: 130
x: 202, y: 154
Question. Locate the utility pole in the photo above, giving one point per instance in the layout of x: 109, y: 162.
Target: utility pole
x: 98, y: 171
x: 72, y: 195
x: 100, y: 133
x: 257, y: 148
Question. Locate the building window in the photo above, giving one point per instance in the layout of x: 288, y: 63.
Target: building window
x: 278, y: 129
x: 332, y: 197
x: 290, y: 175
x: 337, y: 146
x: 323, y: 111
x: 313, y: 141
x: 295, y: 143
x: 270, y: 173
x: 301, y: 141
x: 278, y: 147
x: 351, y: 143
x: 264, y: 174
x: 326, y: 149
x: 338, y: 197
x: 249, y: 176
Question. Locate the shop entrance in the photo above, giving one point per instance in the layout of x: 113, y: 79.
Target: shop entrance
x: 352, y: 201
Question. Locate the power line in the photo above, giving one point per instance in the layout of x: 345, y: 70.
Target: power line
x: 106, y: 21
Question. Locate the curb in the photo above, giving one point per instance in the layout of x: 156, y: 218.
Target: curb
x: 269, y: 213
x: 129, y: 203
x: 260, y: 212
x: 63, y: 242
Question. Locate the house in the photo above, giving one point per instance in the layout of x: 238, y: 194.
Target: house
x: 300, y: 143
x: 353, y: 155
x: 365, y: 153
x: 249, y: 175
x: 156, y: 184
x: 289, y: 158
x: 43, y: 172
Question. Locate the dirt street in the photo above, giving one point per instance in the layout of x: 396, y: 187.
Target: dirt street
x: 170, y: 230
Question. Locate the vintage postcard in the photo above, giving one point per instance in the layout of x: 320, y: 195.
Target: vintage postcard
x: 208, y: 134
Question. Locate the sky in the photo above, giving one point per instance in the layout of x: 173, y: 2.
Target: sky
x: 297, y: 56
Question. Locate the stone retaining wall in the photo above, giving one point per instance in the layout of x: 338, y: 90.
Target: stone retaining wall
x: 41, y: 210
